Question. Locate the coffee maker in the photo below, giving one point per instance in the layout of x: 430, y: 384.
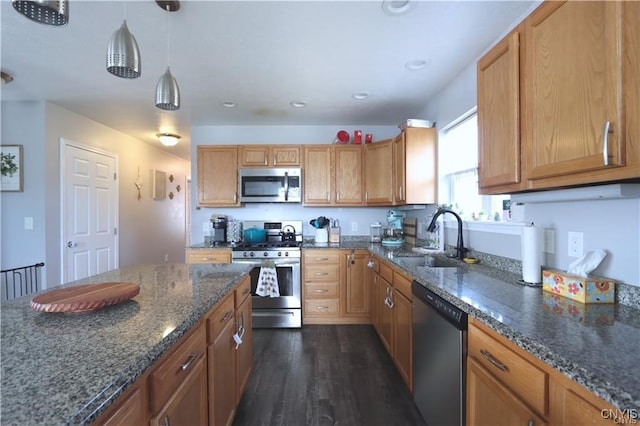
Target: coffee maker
x: 218, y: 230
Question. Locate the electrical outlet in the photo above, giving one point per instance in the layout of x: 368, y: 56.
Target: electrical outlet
x: 549, y: 241
x: 576, y: 244
x: 166, y: 257
x: 205, y: 226
x: 28, y: 223
x: 354, y: 226
x: 421, y: 226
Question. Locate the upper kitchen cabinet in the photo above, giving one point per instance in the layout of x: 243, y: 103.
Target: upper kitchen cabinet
x: 333, y: 175
x: 414, y: 167
x: 217, y: 176
x: 499, y: 117
x: 378, y: 176
x: 581, y: 58
x: 270, y: 156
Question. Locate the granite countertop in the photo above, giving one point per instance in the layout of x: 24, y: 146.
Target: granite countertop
x: 597, y: 346
x: 67, y: 368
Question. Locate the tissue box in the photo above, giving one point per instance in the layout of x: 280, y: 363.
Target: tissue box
x: 596, y: 314
x: 583, y: 290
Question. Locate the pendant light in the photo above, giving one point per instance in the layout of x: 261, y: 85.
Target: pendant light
x: 49, y: 12
x: 167, y: 90
x: 123, y: 55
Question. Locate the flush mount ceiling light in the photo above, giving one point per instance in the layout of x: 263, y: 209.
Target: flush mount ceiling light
x: 298, y: 104
x: 123, y: 55
x: 229, y: 104
x: 396, y: 7
x: 167, y: 90
x: 49, y: 12
x: 360, y: 96
x: 6, y: 78
x: 168, y: 139
x: 416, y: 65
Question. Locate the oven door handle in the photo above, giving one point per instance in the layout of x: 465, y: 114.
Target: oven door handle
x: 275, y: 262
x: 286, y: 186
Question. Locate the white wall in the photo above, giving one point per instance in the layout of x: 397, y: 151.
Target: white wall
x: 246, y: 135
x: 148, y: 229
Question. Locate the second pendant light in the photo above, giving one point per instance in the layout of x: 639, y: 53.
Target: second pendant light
x: 167, y: 90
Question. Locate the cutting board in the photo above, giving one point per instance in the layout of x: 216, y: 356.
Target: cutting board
x: 82, y: 298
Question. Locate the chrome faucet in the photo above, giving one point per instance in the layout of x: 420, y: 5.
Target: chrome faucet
x: 460, y: 250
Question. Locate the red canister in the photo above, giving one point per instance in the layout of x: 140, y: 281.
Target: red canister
x: 368, y: 138
x: 357, y: 136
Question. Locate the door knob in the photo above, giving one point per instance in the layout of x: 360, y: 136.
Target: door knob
x: 71, y: 244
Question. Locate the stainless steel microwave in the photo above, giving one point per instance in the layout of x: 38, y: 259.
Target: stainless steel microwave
x: 272, y: 185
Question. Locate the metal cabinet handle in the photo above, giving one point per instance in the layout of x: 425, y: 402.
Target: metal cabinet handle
x: 226, y: 316
x: 530, y: 423
x: 322, y: 259
x: 166, y: 421
x: 186, y: 365
x: 322, y: 273
x: 322, y: 290
x: 266, y: 160
x: 605, y: 142
x: 246, y: 291
x: 328, y: 196
x: 500, y: 366
x: 322, y: 308
x: 275, y: 160
x: 366, y: 196
x: 235, y: 197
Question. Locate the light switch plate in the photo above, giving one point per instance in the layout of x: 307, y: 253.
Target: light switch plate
x: 28, y: 223
x: 549, y: 241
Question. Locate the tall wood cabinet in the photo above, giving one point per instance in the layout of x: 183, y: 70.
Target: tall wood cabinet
x: 499, y: 116
x: 333, y: 175
x: 378, y: 175
x: 217, y: 176
x: 415, y: 172
x: 577, y: 84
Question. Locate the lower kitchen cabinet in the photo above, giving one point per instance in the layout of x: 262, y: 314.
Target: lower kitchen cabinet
x: 507, y: 385
x: 491, y: 403
x: 385, y: 315
x: 222, y: 376
x: 321, y: 282
x: 403, y: 336
x: 188, y: 404
x: 244, y: 351
x: 130, y: 411
x: 357, y: 286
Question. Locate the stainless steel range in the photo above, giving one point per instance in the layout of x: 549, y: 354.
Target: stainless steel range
x: 282, y: 247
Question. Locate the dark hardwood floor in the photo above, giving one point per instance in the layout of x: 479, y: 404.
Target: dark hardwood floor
x: 324, y: 375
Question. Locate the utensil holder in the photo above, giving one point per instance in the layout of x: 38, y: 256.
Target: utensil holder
x: 322, y: 236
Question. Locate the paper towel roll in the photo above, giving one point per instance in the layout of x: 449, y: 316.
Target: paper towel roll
x: 531, y: 240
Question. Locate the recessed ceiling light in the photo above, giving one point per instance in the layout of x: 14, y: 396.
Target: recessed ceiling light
x: 298, y: 104
x: 229, y: 104
x: 396, y: 7
x: 418, y: 64
x: 360, y: 96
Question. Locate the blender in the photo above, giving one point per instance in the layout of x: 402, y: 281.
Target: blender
x: 393, y: 235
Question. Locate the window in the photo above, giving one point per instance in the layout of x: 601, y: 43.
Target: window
x: 458, y: 171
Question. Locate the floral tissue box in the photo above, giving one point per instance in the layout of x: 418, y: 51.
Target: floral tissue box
x: 583, y: 290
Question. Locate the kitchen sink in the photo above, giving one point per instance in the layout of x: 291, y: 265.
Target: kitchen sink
x: 427, y: 261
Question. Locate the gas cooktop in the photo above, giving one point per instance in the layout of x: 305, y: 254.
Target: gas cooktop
x: 291, y: 245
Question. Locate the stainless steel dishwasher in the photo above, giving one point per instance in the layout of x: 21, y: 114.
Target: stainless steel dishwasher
x: 439, y: 358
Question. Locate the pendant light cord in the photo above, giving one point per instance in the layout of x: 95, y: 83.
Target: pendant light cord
x: 168, y: 36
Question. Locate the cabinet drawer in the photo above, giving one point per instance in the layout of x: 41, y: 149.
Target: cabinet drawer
x: 519, y: 375
x: 320, y: 273
x: 171, y: 372
x: 208, y: 256
x: 321, y: 257
x: 220, y: 317
x: 321, y: 307
x: 402, y: 283
x: 321, y: 290
x: 242, y: 292
x: 386, y: 272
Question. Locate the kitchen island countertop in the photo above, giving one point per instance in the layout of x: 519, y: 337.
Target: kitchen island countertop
x: 67, y: 368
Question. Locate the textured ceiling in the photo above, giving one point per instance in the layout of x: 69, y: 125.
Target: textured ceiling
x: 260, y: 55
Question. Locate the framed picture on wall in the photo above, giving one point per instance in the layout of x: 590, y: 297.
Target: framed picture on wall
x: 159, y: 187
x: 11, y: 166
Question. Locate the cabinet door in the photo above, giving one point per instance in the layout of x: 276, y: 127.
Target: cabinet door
x: 285, y: 156
x: 403, y: 335
x: 244, y: 352
x: 631, y: 76
x: 573, y: 88
x: 222, y: 377
x: 374, y: 304
x: 254, y: 156
x: 349, y: 187
x: 385, y: 327
x: 188, y: 405
x: 490, y: 403
x: 499, y: 116
x: 317, y: 175
x: 217, y: 176
x: 378, y: 179
x: 129, y: 412
x: 399, y: 170
x: 357, y: 286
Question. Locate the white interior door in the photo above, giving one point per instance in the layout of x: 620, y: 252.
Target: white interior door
x: 89, y: 212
